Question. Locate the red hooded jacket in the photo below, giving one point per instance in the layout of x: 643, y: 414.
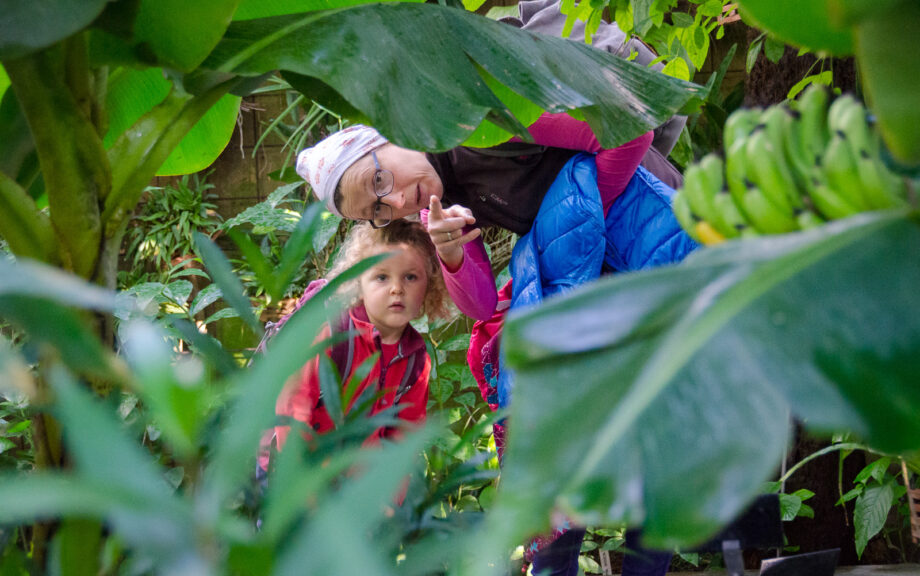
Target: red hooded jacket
x: 402, y: 376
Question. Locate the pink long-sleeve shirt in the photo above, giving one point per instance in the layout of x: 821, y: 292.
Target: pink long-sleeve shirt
x: 472, y: 285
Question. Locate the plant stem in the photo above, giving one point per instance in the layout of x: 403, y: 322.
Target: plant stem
x: 822, y: 452
x: 73, y: 160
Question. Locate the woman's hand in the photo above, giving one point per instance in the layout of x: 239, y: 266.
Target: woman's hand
x: 445, y: 226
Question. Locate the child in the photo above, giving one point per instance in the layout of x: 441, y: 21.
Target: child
x: 385, y: 299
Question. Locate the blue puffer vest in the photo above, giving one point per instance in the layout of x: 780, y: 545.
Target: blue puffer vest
x: 563, y: 248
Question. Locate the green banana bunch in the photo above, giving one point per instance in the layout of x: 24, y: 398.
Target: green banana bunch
x: 789, y: 167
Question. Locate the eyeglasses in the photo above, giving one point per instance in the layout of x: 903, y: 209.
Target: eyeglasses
x: 383, y: 185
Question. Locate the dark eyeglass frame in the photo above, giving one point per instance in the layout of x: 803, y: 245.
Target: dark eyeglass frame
x: 383, y: 185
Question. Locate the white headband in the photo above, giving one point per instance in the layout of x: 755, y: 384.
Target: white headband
x: 323, y: 164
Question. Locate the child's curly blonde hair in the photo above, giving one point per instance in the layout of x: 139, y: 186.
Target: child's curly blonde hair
x: 363, y: 239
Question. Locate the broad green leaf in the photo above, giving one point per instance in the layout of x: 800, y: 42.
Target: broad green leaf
x: 253, y: 9
x: 752, y: 54
x: 207, y: 296
x: 321, y: 546
x: 870, y: 513
x: 458, y: 342
x: 201, y: 146
x: 36, y: 298
x: 178, y: 291
x: 273, y: 214
x: 26, y: 27
x: 26, y: 278
x: 208, y: 348
x: 221, y: 314
x: 296, y: 248
x: 329, y: 225
x: 643, y: 20
x: 180, y: 33
x: 132, y: 93
x: 891, y: 76
x: 230, y: 286
x: 105, y: 453
x: 330, y: 386
x: 140, y: 151
x: 611, y: 377
x: 798, y: 22
x: 488, y: 134
x: 77, y: 547
x: 789, y: 506
x: 265, y: 219
x: 875, y: 470
x: 171, y: 387
x: 294, y: 480
x: 677, y: 68
x: 253, y: 256
x: 25, y: 498
x: 436, y: 103
x: 773, y: 49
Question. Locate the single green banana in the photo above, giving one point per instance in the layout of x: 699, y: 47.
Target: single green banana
x: 813, y: 133
x: 772, y: 120
x: 854, y: 125
x: 684, y: 215
x: 880, y: 188
x: 830, y: 204
x: 736, y: 175
x: 698, y: 193
x: 838, y: 110
x: 774, y: 124
x: 792, y: 149
x: 840, y: 171
x: 730, y: 215
x: 764, y: 216
x: 714, y: 176
x: 765, y: 170
x: 739, y: 125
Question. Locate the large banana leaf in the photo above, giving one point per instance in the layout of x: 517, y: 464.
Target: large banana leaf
x: 182, y: 33
x: 252, y: 9
x: 29, y: 26
x: 413, y: 70
x: 665, y: 397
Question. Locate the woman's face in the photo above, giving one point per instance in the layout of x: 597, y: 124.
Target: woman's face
x: 414, y: 183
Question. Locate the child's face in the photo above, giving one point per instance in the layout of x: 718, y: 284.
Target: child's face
x: 394, y: 291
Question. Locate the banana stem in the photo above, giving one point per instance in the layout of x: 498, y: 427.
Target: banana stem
x: 72, y: 158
